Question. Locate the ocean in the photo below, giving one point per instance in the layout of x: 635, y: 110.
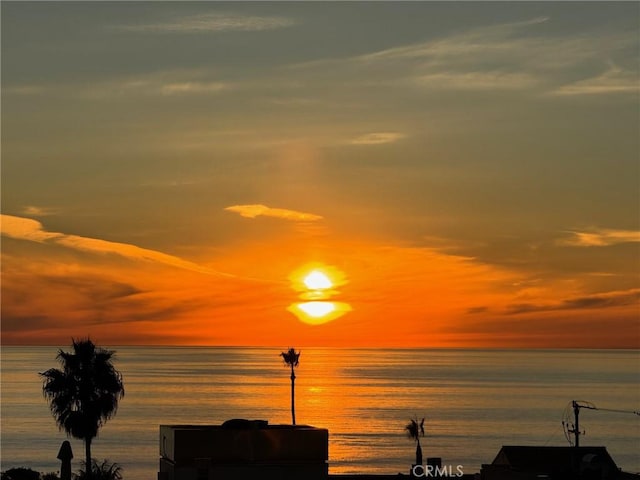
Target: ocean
x: 474, y: 401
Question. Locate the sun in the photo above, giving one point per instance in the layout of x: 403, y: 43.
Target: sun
x: 317, y: 280
x: 317, y: 286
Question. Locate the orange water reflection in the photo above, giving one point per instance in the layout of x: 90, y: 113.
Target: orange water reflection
x: 317, y: 313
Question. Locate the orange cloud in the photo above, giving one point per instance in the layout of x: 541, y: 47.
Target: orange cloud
x: 32, y: 230
x: 253, y: 211
x: 599, y: 301
x: 25, y: 229
x: 600, y: 238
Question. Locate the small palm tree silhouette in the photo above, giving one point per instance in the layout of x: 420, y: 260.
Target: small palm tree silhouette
x: 290, y: 358
x: 415, y: 431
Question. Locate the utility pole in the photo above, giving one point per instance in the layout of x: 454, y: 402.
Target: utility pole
x: 574, y: 429
x: 576, y: 426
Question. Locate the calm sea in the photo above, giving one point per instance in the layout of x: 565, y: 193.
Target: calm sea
x: 474, y: 402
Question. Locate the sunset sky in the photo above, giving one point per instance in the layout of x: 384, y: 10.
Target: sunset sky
x: 455, y: 174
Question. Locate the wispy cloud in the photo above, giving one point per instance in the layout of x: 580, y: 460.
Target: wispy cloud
x: 36, y: 211
x: 253, y: 211
x: 476, y: 80
x: 27, y: 229
x: 469, y: 43
x: 164, y: 83
x: 607, y: 300
x: 377, y: 138
x: 212, y: 22
x: 510, y: 56
x: 492, y: 57
x: 180, y: 88
x: 614, y: 80
x: 600, y: 238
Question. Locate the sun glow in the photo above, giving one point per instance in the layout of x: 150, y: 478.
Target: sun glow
x: 319, y: 278
x: 317, y: 309
x: 317, y: 283
x: 318, y: 313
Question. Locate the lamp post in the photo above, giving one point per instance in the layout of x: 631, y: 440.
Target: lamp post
x: 65, y: 455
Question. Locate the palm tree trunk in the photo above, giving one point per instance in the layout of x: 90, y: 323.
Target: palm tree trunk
x: 87, y: 457
x: 418, y: 454
x: 293, y: 406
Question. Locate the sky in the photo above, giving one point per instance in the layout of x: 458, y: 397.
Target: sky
x: 350, y: 174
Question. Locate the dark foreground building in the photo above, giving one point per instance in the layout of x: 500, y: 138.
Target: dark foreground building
x: 553, y: 463
x: 243, y: 449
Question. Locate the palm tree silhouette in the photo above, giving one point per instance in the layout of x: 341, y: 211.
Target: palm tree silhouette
x: 290, y: 358
x: 84, y: 394
x: 415, y: 431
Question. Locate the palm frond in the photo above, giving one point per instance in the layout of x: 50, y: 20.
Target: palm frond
x: 104, y: 470
x: 84, y: 393
x: 291, y: 357
x: 414, y: 429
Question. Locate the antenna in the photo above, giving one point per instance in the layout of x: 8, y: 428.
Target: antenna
x: 573, y: 428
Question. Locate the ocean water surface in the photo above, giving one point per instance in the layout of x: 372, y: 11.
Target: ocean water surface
x: 474, y: 402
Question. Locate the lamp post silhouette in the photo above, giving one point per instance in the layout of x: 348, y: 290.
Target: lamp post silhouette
x: 65, y: 455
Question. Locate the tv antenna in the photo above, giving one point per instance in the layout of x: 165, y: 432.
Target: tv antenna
x: 572, y: 429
